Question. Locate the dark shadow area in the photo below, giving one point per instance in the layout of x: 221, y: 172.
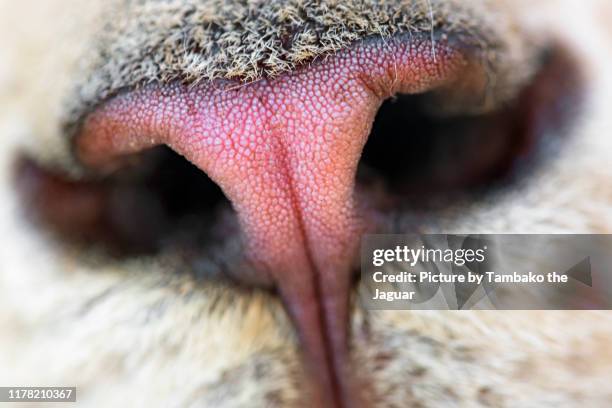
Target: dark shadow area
x: 416, y: 151
x: 158, y: 198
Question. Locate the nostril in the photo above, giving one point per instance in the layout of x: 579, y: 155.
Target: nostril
x: 184, y: 190
x: 400, y: 145
x: 413, y: 149
x: 418, y: 154
x: 158, y: 201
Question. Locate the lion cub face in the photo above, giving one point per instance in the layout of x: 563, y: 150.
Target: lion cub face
x: 135, y: 279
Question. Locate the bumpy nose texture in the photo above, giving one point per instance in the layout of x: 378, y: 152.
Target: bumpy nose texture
x: 285, y: 151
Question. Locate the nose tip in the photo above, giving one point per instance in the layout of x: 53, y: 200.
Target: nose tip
x: 285, y: 151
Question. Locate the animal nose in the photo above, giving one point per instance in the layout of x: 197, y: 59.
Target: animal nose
x: 285, y: 152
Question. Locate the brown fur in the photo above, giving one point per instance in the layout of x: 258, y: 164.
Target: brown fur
x: 195, y: 41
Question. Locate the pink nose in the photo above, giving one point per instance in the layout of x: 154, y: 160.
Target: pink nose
x: 285, y: 152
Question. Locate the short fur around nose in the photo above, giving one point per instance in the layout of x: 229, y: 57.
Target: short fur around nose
x: 285, y: 152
